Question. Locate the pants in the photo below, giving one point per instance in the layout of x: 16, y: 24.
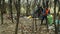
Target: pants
x: 44, y: 17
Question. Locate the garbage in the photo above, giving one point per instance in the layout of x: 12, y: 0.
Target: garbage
x: 29, y: 17
x: 50, y: 19
x: 51, y: 27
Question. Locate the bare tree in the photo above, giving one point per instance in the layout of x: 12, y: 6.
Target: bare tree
x: 18, y: 14
x: 2, y: 10
x: 58, y: 16
x: 28, y: 8
x: 10, y: 10
x: 55, y: 16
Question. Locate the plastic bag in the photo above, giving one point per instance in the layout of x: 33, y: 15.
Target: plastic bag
x: 50, y: 19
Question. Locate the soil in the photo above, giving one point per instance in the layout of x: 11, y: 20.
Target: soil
x: 26, y: 26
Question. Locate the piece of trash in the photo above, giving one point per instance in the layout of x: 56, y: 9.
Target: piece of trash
x: 29, y: 17
x: 50, y: 27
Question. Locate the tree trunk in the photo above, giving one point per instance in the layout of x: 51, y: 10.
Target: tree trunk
x: 10, y: 10
x: 18, y: 14
x: 55, y: 16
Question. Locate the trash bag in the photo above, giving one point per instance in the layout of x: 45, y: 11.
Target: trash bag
x: 50, y: 19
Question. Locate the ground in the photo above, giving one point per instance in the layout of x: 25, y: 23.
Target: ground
x: 27, y: 25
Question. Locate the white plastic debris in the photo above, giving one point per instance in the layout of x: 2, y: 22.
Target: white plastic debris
x: 50, y: 27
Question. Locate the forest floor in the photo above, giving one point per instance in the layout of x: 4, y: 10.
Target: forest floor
x: 26, y: 26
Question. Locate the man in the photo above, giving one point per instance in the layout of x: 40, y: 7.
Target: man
x: 43, y: 15
x: 45, y: 12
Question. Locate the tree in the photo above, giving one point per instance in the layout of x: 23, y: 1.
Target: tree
x: 10, y: 10
x: 2, y: 10
x: 28, y: 9
x: 17, y: 5
x: 55, y: 16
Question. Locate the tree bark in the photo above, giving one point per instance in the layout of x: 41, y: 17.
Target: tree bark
x: 10, y: 10
x: 18, y: 14
x: 55, y: 16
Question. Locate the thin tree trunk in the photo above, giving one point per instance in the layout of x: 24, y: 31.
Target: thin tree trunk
x: 58, y: 16
x: 10, y: 10
x: 27, y: 11
x: 18, y: 14
x: 34, y: 19
x: 46, y: 15
x: 2, y: 10
x: 43, y: 3
x: 55, y: 16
